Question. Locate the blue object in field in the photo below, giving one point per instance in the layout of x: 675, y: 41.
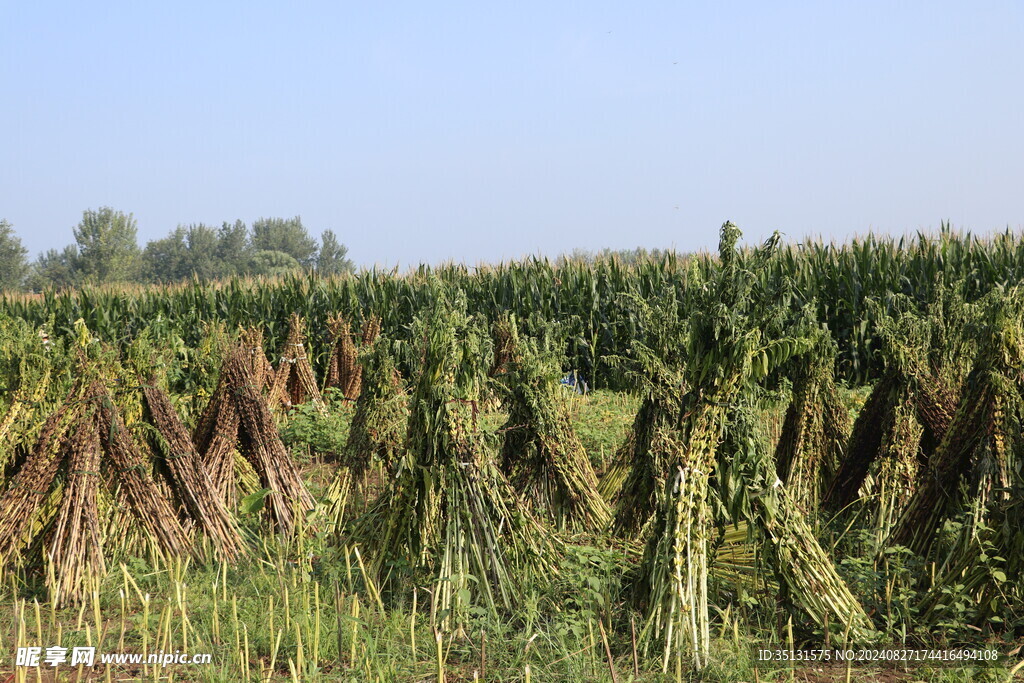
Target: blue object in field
x: 574, y: 380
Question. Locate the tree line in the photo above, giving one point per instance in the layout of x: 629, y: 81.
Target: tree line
x: 106, y: 249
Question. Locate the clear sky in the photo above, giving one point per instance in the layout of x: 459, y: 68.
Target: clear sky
x: 423, y: 131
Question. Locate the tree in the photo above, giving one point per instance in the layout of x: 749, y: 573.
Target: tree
x: 332, y: 257
x: 186, y: 252
x: 164, y: 260
x: 55, y: 269
x: 268, y: 262
x: 234, y: 250
x: 107, y: 246
x: 201, y: 241
x: 285, y: 235
x: 13, y: 266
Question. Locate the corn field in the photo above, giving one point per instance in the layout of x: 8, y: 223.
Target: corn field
x: 385, y: 477
x: 837, y: 280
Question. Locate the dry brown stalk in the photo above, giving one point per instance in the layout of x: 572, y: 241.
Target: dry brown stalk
x: 190, y: 480
x: 344, y: 371
x: 865, y: 444
x: 262, y: 371
x: 31, y: 484
x: 75, y: 548
x: 216, y: 437
x: 147, y: 501
x: 88, y: 437
x: 294, y: 382
x: 238, y: 418
x: 371, y: 329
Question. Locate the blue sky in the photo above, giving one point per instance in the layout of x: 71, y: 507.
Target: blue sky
x: 420, y: 132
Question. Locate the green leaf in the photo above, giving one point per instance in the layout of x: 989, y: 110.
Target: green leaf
x: 253, y: 502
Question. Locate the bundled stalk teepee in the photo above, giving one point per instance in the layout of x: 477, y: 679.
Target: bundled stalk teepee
x: 541, y: 453
x: 750, y: 493
x: 891, y: 438
x: 378, y: 429
x: 713, y: 362
x: 675, y: 564
x: 731, y: 340
x: 75, y: 551
x: 146, y: 500
x: 973, y: 480
x: 864, y: 444
x: 84, y: 452
x: 31, y: 484
x: 639, y: 473
x: 294, y: 382
x: 894, y: 473
x: 190, y: 481
x: 237, y: 419
x: 815, y: 428
x: 216, y: 437
x: 26, y: 369
x: 984, y: 563
x: 27, y: 395
x: 263, y: 375
x: 974, y: 460
x: 381, y: 415
x: 344, y: 372
x: 908, y: 412
x: 447, y: 513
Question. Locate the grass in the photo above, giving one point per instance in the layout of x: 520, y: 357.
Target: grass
x: 602, y: 419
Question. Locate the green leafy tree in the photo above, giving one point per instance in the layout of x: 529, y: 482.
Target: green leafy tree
x: 54, y: 269
x: 164, y: 260
x: 234, y: 250
x: 185, y: 253
x: 332, y: 259
x: 268, y: 262
x: 107, y: 246
x: 13, y: 266
x: 286, y: 235
x: 201, y: 241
